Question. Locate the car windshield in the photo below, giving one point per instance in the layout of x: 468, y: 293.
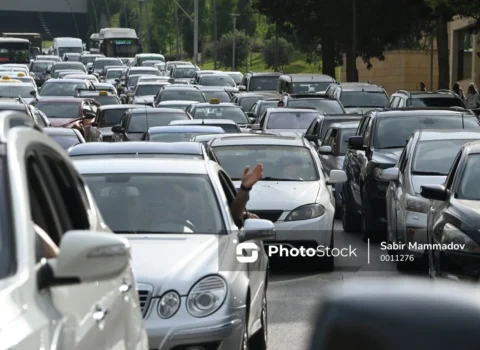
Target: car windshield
x: 150, y: 71
x: 237, y: 77
x: 216, y: 80
x: 327, y: 106
x: 147, y: 90
x: 435, y: 102
x: 59, y: 109
x: 298, y: 88
x: 345, y: 135
x: 435, y: 157
x: 211, y: 112
x: 247, y: 102
x: 74, y: 66
x: 223, y: 96
x: 133, y: 80
x: 141, y: 122
x: 352, y: 99
x: 9, y: 90
x: 184, y: 72
x: 291, y: 120
x: 41, y: 67
x: 107, y: 100
x: 264, y: 106
x: 59, y: 88
x: 469, y: 187
x: 66, y: 141
x: 281, y: 163
x: 131, y: 203
x: 153, y: 57
x: 181, y: 95
x: 113, y: 74
x: 266, y: 83
x: 110, y: 117
x: 394, y: 132
x: 174, y: 136
x: 100, y: 64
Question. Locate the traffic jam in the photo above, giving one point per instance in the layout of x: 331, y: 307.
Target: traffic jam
x: 146, y: 203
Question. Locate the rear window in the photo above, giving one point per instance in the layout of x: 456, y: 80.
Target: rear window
x: 223, y: 96
x: 59, y: 109
x: 142, y: 122
x: 310, y: 87
x: 326, y: 106
x: 263, y: 83
x: 181, y: 95
x: 435, y: 102
x: 107, y: 100
x: 100, y: 64
x: 69, y: 66
x: 352, y: 99
x: 111, y: 117
x: 291, y: 120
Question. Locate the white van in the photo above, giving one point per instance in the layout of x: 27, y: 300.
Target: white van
x: 67, y: 45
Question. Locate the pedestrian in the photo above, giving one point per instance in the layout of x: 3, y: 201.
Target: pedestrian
x: 473, y: 98
x: 459, y: 91
x: 423, y: 87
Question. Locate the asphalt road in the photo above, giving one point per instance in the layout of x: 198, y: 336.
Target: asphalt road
x: 293, y: 296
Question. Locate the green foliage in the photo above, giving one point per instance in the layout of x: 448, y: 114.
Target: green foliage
x: 242, y: 49
x: 163, y: 13
x: 246, y: 20
x: 285, y: 53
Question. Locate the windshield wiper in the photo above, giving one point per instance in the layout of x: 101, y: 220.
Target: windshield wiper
x: 428, y: 173
x: 269, y: 178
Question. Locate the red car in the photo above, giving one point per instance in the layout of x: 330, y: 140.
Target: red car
x: 68, y: 112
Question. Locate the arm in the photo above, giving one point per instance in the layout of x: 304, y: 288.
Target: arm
x: 239, y: 204
x: 49, y: 247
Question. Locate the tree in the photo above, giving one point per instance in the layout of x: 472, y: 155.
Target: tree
x: 246, y: 20
x: 242, y: 49
x: 164, y: 13
x: 285, y: 53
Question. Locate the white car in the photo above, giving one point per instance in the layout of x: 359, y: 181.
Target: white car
x: 195, y: 291
x: 83, y: 297
x: 294, y: 193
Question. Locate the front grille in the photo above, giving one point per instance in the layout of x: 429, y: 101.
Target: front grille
x: 144, y: 297
x: 272, y: 215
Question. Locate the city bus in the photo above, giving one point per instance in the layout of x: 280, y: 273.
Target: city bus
x: 34, y: 38
x: 14, y: 50
x: 119, y: 42
x: 94, y: 43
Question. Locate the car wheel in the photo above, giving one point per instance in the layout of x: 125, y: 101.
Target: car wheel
x: 259, y: 340
x: 350, y: 220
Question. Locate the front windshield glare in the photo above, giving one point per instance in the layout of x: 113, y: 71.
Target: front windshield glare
x: 131, y: 203
x: 394, y: 132
x: 280, y: 163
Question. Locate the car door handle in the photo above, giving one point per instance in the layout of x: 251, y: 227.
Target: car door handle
x: 125, y: 287
x: 100, y: 314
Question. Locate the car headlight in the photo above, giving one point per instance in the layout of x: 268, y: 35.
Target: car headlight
x: 452, y: 235
x: 207, y: 296
x: 306, y: 212
x: 416, y: 204
x: 168, y: 304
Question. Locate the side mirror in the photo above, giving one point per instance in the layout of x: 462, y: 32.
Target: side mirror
x: 90, y: 70
x: 434, y: 192
x: 33, y: 93
x: 118, y: 129
x: 390, y: 174
x: 117, y: 81
x: 242, y: 88
x: 356, y: 142
x: 87, y: 256
x: 337, y: 177
x: 258, y: 229
x: 325, y: 150
x: 251, y: 115
x: 88, y: 114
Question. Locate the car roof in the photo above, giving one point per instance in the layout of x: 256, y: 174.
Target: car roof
x: 185, y: 129
x: 143, y: 68
x: 122, y: 106
x: 96, y: 93
x: 211, y: 88
x: 141, y: 165
x: 301, y: 78
x: 65, y: 81
x: 141, y: 83
x: 294, y: 110
x: 439, y: 134
x: 209, y: 137
x: 59, y: 99
x: 261, y: 74
x: 260, y: 140
x: 177, y: 102
x: 202, y: 122
x: 180, y: 87
x: 257, y: 94
x: 21, y: 83
x: 101, y: 58
x: 345, y: 125
x: 59, y: 131
x: 136, y: 147
x: 222, y: 104
x: 422, y: 111
x: 153, y: 110
x: 360, y: 87
x: 345, y: 117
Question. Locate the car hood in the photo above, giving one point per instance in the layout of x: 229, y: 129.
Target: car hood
x: 387, y: 156
x: 360, y: 110
x: 61, y: 122
x: 420, y: 180
x: 144, y: 99
x: 174, y: 261
x: 287, y: 132
x: 280, y: 195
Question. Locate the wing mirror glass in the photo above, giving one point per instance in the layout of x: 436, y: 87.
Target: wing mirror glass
x: 390, y: 174
x: 325, y: 150
x: 337, y: 177
x: 118, y: 129
x: 356, y: 143
x: 258, y: 229
x: 434, y: 192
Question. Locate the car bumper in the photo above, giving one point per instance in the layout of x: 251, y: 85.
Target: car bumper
x: 317, y: 231
x: 221, y: 331
x: 413, y: 233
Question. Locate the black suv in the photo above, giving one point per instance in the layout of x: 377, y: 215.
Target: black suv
x: 359, y: 97
x: 326, y: 103
x: 438, y: 99
x: 256, y: 82
x: 376, y: 146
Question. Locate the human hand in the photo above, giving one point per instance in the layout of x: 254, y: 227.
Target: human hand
x: 250, y: 178
x: 252, y: 216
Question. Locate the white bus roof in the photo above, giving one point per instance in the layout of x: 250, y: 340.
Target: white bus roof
x: 65, y: 40
x: 14, y: 40
x: 121, y: 33
x: 95, y: 36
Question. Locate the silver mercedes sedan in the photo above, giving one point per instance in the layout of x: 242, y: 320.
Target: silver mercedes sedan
x: 202, y: 281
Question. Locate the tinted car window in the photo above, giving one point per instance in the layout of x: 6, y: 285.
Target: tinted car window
x: 174, y: 136
x: 310, y: 87
x: 291, y: 120
x: 326, y: 124
x: 113, y: 74
x: 141, y: 122
x: 394, y: 132
x: 184, y: 72
x: 327, y: 106
x: 59, y: 109
x: 38, y: 66
x: 145, y: 72
x: 247, y: 102
x: 345, y: 135
x: 100, y: 64
x: 435, y: 102
x: 111, y: 117
x: 223, y: 96
x: 182, y: 95
x: 232, y: 113
x: 469, y: 184
x: 69, y: 66
x: 375, y: 99
x: 263, y: 83
x: 107, y: 100
x: 59, y: 88
x: 216, y: 80
x: 147, y: 90
x: 9, y: 90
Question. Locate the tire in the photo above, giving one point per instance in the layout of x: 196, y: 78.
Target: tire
x: 259, y: 340
x: 350, y: 219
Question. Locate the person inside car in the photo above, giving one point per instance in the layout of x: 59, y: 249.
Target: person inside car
x: 45, y: 247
